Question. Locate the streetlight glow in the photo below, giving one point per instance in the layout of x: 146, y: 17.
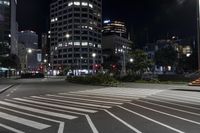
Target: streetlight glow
x: 94, y: 55
x: 30, y: 51
x: 131, y: 60
x: 67, y: 36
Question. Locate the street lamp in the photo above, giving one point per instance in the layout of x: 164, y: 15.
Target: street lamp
x: 29, y: 51
x: 131, y: 60
x: 93, y: 66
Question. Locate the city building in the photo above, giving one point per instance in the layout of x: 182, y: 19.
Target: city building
x: 8, y: 28
x: 30, y: 56
x: 76, y: 35
x: 114, y: 27
x: 45, y: 44
x: 115, y: 42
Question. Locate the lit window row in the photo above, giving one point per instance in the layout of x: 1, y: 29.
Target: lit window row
x: 78, y: 44
x: 54, y: 19
x: 7, y: 3
x: 87, y: 27
x: 77, y: 3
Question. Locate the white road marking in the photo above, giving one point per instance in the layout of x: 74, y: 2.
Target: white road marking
x: 96, y: 96
x: 11, y: 129
x: 61, y: 124
x: 8, y: 95
x: 179, y: 98
x: 176, y: 100
x: 79, y: 103
x: 58, y: 106
x: 70, y: 117
x: 121, y: 98
x: 183, y: 96
x: 23, y: 121
x: 180, y: 105
x: 157, y: 122
x: 180, y: 110
x: 93, y: 128
x: 123, y: 122
x: 84, y: 99
x: 181, y: 118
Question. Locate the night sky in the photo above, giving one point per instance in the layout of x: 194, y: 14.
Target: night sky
x: 147, y: 20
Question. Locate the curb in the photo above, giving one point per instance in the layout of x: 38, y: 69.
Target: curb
x: 6, y: 88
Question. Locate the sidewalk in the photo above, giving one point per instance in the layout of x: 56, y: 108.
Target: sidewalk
x: 4, y: 87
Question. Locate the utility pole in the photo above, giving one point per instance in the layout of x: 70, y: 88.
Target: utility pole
x: 198, y: 32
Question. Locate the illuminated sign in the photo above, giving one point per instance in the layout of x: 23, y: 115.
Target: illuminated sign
x: 106, y: 21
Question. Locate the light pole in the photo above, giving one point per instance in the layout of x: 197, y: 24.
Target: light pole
x: 123, y: 72
x: 93, y: 66
x: 198, y: 32
x: 28, y: 51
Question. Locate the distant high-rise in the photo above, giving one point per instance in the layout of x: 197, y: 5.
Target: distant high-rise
x: 114, y: 27
x: 8, y: 27
x: 76, y: 33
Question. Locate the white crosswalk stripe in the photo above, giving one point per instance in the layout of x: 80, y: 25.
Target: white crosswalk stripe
x: 66, y: 106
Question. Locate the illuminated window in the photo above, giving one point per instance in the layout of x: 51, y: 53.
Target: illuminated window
x: 84, y: 4
x: 77, y: 3
x: 70, y: 3
x: 84, y: 44
x: 90, y: 5
x: 76, y: 43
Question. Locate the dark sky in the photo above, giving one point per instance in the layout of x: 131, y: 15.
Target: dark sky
x: 155, y: 18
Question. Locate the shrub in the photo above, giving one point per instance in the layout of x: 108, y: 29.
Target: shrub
x: 100, y: 79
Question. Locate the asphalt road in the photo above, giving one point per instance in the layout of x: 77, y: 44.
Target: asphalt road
x: 55, y: 106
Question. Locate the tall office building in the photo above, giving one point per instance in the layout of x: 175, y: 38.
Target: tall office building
x: 76, y: 33
x: 114, y: 27
x: 8, y: 27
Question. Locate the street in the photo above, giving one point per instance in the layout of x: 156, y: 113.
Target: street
x: 56, y: 106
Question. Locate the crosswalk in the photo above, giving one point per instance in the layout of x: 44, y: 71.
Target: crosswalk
x: 39, y: 113
x: 51, y: 113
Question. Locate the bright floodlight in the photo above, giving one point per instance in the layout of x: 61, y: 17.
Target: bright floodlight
x: 67, y: 35
x: 94, y: 55
x: 45, y: 61
x: 131, y: 60
x: 30, y: 51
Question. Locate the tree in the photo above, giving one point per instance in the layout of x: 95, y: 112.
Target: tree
x: 11, y: 61
x: 166, y: 56
x: 111, y: 63
x: 141, y: 62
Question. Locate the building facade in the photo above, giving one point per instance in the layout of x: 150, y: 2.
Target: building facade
x: 8, y: 28
x: 76, y: 34
x: 29, y: 54
x: 114, y: 27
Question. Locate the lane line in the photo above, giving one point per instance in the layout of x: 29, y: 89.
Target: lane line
x: 61, y: 110
x: 180, y: 110
x: 11, y: 129
x: 164, y: 113
x: 150, y: 119
x: 123, y: 122
x: 79, y: 103
x: 61, y: 124
x: 70, y: 117
x: 159, y: 100
x: 84, y: 99
x: 183, y: 96
x: 29, y: 123
x: 182, y: 99
x: 92, y: 126
x: 96, y: 96
x: 100, y: 94
x: 58, y: 106
x: 177, y: 100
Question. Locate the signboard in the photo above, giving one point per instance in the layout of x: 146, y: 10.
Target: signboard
x: 39, y: 57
